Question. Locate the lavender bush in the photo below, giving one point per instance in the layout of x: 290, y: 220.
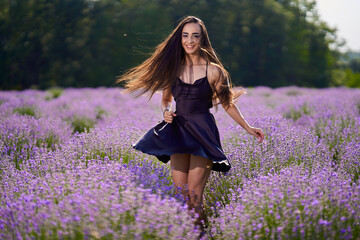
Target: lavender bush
x: 292, y: 204
x: 98, y: 201
x: 68, y: 169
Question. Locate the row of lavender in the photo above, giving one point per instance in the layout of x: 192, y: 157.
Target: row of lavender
x: 60, y: 180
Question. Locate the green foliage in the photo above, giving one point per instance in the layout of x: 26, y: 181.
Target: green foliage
x: 81, y: 43
x: 25, y: 110
x: 82, y: 124
x: 53, y: 93
x: 295, y: 114
x: 100, y: 113
x: 352, y: 78
x: 345, y: 77
x: 293, y: 93
x: 49, y: 142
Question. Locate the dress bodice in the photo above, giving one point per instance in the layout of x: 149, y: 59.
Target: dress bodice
x: 192, y: 98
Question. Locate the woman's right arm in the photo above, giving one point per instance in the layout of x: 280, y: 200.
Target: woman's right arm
x: 166, y: 100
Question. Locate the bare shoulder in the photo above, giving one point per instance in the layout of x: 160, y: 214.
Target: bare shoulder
x: 214, y: 73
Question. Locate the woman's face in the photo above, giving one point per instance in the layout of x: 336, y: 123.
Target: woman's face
x: 191, y: 38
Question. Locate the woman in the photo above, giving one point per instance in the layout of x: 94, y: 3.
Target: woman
x: 186, y: 67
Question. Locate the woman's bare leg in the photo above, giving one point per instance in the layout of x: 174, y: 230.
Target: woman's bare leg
x: 199, y: 171
x: 180, y: 163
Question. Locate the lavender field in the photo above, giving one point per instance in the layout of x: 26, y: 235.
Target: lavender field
x: 68, y: 170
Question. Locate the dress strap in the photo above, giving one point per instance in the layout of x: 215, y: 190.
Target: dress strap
x: 206, y: 69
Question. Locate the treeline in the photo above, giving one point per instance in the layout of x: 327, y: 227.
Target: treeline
x: 87, y: 43
x: 347, y: 70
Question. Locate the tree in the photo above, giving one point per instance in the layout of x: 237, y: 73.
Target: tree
x: 41, y: 43
x: 86, y: 43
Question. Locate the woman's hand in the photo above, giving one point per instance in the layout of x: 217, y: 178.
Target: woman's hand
x: 169, y: 116
x: 257, y: 132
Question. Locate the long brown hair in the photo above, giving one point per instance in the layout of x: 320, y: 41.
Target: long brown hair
x: 159, y: 71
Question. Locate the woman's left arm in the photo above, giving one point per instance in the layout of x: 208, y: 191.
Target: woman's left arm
x: 217, y: 79
x: 235, y: 114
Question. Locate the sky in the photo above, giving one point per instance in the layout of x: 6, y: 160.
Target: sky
x: 345, y: 16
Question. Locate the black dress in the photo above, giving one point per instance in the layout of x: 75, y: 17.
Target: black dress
x: 193, y: 129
